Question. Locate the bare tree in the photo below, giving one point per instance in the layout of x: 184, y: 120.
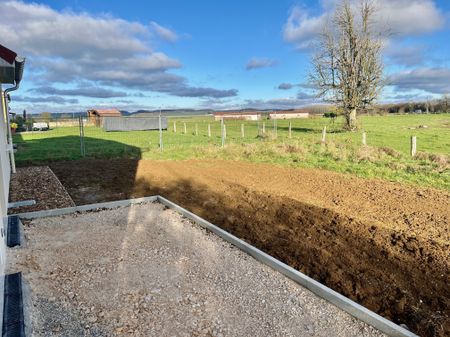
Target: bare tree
x: 347, y: 67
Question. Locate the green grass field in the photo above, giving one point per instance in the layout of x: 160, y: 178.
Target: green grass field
x: 386, y: 156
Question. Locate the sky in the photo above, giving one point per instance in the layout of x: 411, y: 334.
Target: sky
x: 230, y: 54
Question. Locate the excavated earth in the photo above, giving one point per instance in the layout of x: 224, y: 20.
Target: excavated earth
x: 384, y: 245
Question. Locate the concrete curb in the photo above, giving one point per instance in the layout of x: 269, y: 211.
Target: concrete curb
x: 317, y: 288
x: 84, y: 208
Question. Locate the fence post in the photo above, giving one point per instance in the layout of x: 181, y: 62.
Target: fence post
x: 175, y: 127
x: 264, y: 128
x: 290, y: 129
x: 364, y: 139
x: 160, y: 133
x: 413, y: 146
x: 242, y: 131
x: 324, y: 134
x: 185, y: 128
x: 275, y: 127
x: 81, y: 127
x: 196, y: 129
x: 209, y: 130
x: 222, y: 129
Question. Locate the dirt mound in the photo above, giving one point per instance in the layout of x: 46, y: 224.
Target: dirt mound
x: 384, y: 245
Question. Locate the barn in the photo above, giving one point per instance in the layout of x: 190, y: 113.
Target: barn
x: 243, y: 115
x: 95, y: 116
x: 288, y: 114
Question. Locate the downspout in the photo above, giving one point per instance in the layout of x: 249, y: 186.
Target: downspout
x: 19, y: 66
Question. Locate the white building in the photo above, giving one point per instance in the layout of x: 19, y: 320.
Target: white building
x: 288, y: 114
x: 243, y: 115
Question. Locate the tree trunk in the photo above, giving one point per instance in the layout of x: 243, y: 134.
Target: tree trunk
x: 350, y: 120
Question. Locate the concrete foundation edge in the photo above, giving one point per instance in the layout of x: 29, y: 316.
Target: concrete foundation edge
x: 342, y: 302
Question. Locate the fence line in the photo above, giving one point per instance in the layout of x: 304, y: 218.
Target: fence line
x: 81, y: 137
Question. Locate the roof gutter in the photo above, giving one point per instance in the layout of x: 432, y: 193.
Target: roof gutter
x: 19, y: 65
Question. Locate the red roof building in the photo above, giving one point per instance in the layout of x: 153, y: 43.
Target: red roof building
x: 104, y: 113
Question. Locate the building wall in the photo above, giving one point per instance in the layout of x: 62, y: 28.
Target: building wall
x: 288, y: 115
x: 5, y: 171
x: 252, y: 117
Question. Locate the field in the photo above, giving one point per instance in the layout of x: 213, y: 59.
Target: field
x: 382, y: 242
x: 385, y: 156
x: 385, y: 245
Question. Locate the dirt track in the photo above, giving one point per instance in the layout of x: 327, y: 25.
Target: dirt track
x: 382, y: 244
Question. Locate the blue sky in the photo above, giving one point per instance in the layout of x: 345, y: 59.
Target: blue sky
x: 205, y: 54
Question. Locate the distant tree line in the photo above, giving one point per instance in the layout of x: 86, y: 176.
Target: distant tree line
x: 441, y: 105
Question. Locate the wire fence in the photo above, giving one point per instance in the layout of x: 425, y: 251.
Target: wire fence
x: 44, y: 140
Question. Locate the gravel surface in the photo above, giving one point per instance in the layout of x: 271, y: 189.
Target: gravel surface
x: 144, y: 270
x: 38, y: 183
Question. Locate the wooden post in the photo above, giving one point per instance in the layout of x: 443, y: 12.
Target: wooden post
x: 264, y: 128
x: 275, y: 127
x: 209, y: 130
x: 290, y: 129
x: 175, y: 127
x: 413, y: 146
x: 324, y: 134
x: 364, y: 139
x: 242, y: 131
x: 222, y: 131
x: 196, y: 129
x: 185, y: 131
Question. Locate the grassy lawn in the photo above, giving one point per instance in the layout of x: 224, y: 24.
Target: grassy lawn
x: 386, y: 156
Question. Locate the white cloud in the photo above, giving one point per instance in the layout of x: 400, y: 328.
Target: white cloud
x: 164, y: 33
x: 285, y: 86
x: 431, y: 80
x: 400, y: 17
x: 301, y: 29
x: 256, y: 63
x: 405, y: 55
x: 64, y: 47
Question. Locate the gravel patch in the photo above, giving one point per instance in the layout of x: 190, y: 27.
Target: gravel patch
x: 38, y: 183
x: 144, y: 270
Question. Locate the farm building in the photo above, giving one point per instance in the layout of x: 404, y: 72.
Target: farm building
x: 96, y: 115
x: 245, y: 115
x: 288, y: 114
x: 104, y: 113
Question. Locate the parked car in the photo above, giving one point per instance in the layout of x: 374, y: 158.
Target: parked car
x: 40, y: 126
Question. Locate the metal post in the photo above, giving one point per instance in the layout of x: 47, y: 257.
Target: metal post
x: 175, y: 127
x: 264, y: 128
x: 222, y: 128
x: 290, y: 129
x: 160, y: 132
x: 413, y: 146
x: 185, y: 131
x: 242, y: 131
x: 81, y: 127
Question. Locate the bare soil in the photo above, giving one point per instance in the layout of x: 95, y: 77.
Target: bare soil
x: 384, y: 245
x: 37, y: 183
x: 144, y: 270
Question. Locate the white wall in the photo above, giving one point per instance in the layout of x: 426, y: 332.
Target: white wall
x: 5, y: 171
x: 289, y: 115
